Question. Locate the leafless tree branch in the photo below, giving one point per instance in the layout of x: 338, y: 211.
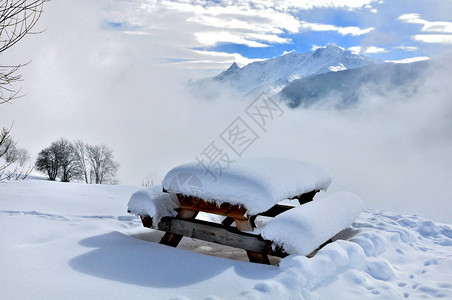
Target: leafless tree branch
x: 17, y: 19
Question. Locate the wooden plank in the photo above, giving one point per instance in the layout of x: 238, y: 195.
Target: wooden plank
x: 224, y: 209
x: 173, y: 239
x: 244, y: 225
x: 216, y: 233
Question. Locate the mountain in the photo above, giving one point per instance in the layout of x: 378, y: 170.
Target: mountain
x: 344, y: 88
x: 273, y: 74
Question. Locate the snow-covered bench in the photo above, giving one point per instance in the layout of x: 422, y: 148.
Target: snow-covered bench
x: 248, y: 188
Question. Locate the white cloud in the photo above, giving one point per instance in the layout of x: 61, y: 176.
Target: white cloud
x: 442, y: 29
x: 407, y: 48
x: 253, y: 40
x: 433, y: 38
x: 267, y: 20
x: 282, y: 5
x: 428, y: 26
x: 411, y: 18
x: 355, y: 49
x: 367, y: 50
x: 306, y: 4
x: 215, y: 60
x: 350, y: 30
x: 253, y: 23
x: 371, y: 8
x: 409, y: 60
x: 373, y: 49
x: 213, y: 38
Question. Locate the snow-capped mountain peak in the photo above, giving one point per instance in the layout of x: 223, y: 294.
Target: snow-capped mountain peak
x: 329, y: 50
x: 273, y: 74
x: 228, y: 73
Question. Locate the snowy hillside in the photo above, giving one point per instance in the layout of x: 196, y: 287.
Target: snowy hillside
x: 344, y: 88
x: 76, y: 241
x: 275, y: 73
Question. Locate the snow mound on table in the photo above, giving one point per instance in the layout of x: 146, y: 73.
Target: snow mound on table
x: 303, y: 229
x: 256, y: 183
x: 152, y: 202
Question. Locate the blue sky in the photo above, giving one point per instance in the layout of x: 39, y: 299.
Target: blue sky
x: 211, y: 34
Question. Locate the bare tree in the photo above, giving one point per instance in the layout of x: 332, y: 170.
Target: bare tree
x: 47, y: 163
x: 13, y: 160
x: 81, y: 158
x: 58, y: 160
x: 93, y: 164
x: 7, y: 143
x: 17, y: 18
x: 103, y: 166
x: 64, y: 151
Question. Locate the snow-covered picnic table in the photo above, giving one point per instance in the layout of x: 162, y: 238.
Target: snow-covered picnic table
x: 248, y: 188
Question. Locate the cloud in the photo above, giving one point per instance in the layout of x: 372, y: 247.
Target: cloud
x: 282, y: 5
x: 407, y: 48
x: 409, y: 60
x: 371, y: 8
x: 182, y: 26
x: 241, y: 23
x: 349, y: 30
x: 442, y: 29
x: 433, y: 38
x: 214, y: 60
x: 257, y: 23
x: 245, y: 17
x: 367, y: 50
x: 213, y: 38
x: 268, y: 20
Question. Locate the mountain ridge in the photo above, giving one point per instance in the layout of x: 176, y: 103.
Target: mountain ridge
x: 345, y: 88
x: 273, y: 74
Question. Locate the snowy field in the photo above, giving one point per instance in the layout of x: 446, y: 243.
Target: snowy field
x: 76, y: 241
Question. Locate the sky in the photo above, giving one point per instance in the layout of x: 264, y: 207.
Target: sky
x: 215, y: 31
x: 115, y: 72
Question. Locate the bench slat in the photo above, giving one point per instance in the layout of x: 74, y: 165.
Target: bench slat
x: 216, y: 233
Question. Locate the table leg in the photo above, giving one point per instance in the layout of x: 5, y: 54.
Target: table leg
x: 227, y: 221
x: 172, y: 239
x: 256, y: 257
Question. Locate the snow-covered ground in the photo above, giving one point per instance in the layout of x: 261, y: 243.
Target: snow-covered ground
x: 76, y: 241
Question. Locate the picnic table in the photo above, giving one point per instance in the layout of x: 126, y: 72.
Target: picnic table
x: 248, y: 189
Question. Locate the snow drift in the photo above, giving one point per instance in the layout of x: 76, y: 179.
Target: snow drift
x: 76, y: 241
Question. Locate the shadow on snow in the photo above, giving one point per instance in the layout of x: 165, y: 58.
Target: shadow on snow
x: 126, y: 259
